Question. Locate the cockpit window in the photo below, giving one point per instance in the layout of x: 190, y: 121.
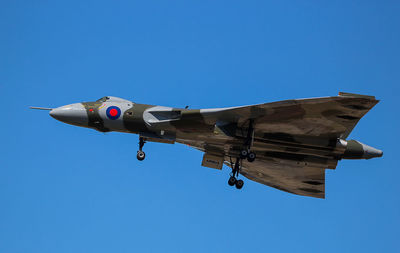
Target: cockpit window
x: 112, y: 99
x: 103, y: 99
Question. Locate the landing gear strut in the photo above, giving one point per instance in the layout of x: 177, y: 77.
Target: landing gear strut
x: 246, y: 152
x: 233, y: 181
x: 140, y: 154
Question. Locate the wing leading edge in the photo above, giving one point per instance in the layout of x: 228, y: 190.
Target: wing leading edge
x: 331, y: 117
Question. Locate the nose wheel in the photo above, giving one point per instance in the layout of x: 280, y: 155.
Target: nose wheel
x: 140, y: 154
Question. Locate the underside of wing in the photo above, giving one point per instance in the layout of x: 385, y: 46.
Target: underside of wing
x: 294, y: 177
x: 294, y: 173
x: 332, y: 117
x: 294, y: 140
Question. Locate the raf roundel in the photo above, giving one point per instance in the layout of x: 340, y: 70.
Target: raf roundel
x: 113, y: 112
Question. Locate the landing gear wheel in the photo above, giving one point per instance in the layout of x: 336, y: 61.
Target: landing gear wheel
x: 251, y: 157
x: 243, y: 154
x: 232, y: 181
x: 140, y: 155
x: 239, y: 184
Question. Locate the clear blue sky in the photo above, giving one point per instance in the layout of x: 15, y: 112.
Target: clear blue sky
x: 70, y: 189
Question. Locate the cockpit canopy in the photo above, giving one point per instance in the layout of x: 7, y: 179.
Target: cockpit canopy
x: 112, y: 99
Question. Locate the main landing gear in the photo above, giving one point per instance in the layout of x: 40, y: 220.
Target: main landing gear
x: 248, y: 143
x: 140, y: 154
x: 245, y: 153
x: 233, y: 181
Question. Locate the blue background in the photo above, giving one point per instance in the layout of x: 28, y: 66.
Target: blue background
x: 70, y: 189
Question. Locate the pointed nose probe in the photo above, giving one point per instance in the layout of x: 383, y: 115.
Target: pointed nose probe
x: 74, y: 114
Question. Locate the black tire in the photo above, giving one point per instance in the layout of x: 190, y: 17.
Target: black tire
x: 232, y: 181
x: 251, y: 157
x: 239, y: 184
x: 140, y: 155
x: 243, y: 154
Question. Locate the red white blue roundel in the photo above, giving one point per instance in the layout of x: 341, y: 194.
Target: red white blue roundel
x: 113, y: 112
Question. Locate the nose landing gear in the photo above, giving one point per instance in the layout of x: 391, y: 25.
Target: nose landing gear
x: 140, y: 154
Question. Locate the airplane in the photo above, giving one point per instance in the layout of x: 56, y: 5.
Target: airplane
x: 286, y: 145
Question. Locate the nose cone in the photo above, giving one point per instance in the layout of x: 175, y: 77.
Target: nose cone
x: 74, y: 114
